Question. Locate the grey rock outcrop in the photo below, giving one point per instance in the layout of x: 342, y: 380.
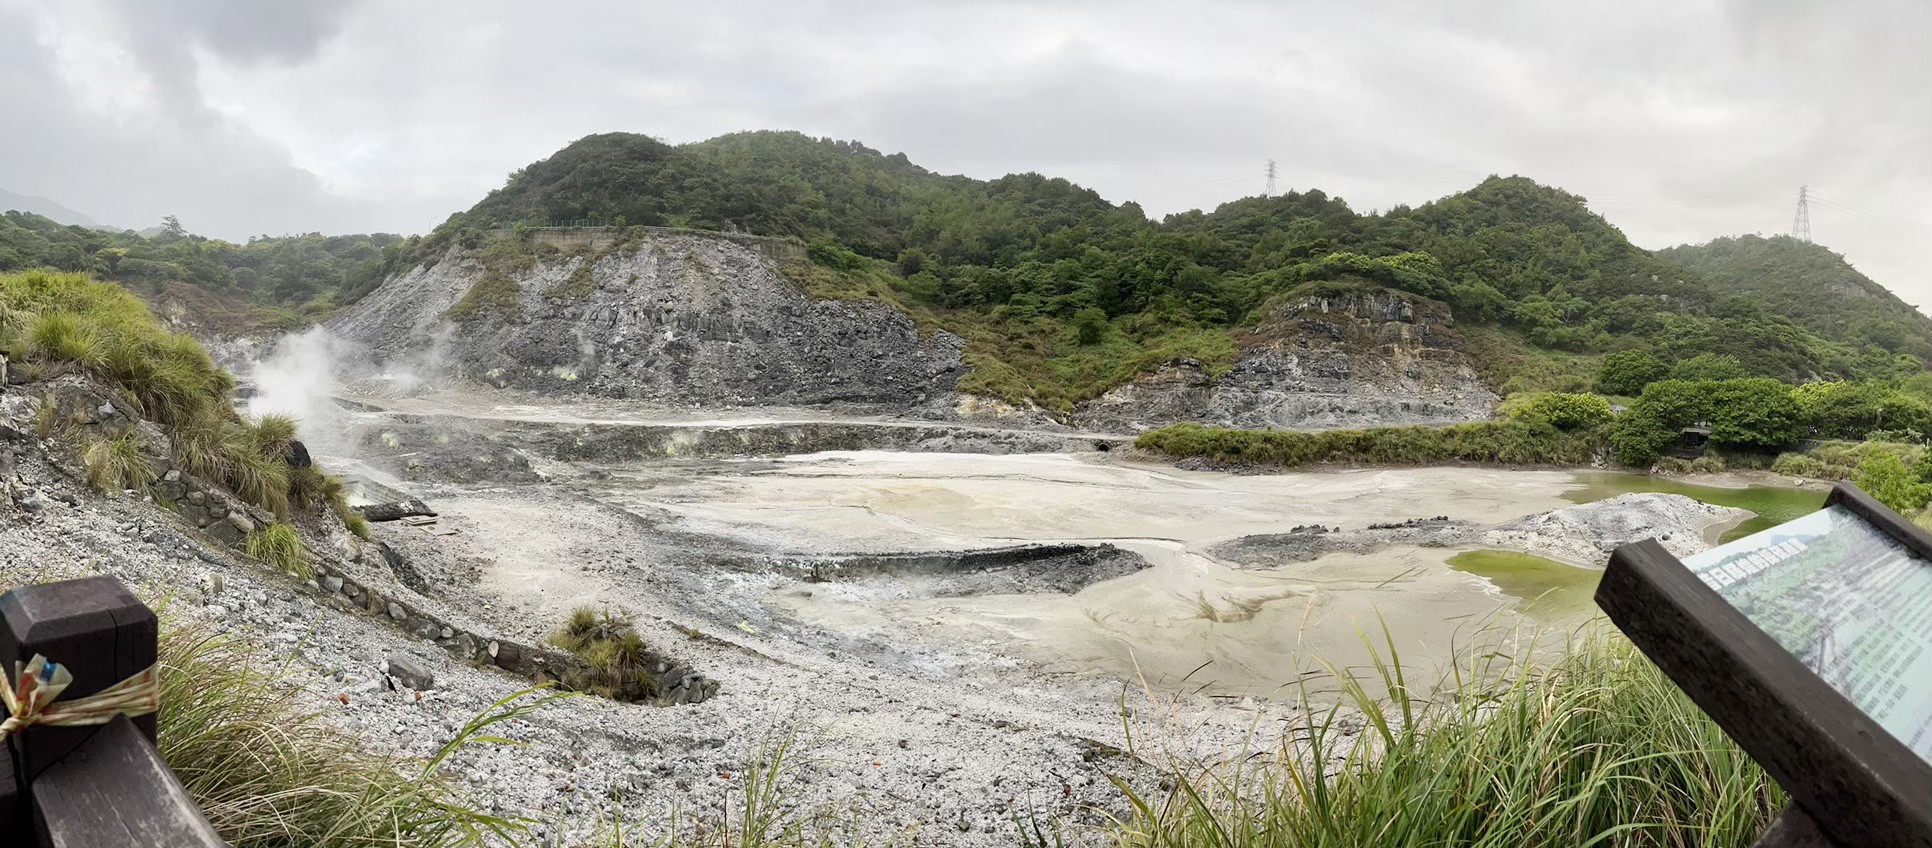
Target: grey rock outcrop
x: 411, y: 672
x: 677, y: 319
x: 1369, y: 358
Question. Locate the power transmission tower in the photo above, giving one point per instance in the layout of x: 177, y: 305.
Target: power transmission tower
x: 1801, y: 225
x: 1270, y: 192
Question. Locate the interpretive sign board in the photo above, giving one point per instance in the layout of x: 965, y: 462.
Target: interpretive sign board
x: 1810, y: 643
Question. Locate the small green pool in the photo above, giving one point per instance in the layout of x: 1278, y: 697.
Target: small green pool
x: 1548, y: 589
x: 1551, y: 590
x: 1773, y: 504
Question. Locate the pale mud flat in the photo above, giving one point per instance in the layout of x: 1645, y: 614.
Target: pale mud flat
x: 964, y: 712
x: 875, y: 501
x: 1188, y: 622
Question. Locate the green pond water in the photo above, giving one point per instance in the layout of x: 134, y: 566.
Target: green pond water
x: 1547, y: 589
x: 1551, y: 590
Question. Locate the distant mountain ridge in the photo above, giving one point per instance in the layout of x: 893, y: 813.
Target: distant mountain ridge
x: 1061, y: 295
x: 43, y: 207
x: 1056, y: 296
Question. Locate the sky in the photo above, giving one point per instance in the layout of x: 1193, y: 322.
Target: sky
x: 1679, y: 120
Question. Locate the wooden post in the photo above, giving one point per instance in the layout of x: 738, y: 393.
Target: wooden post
x: 98, y: 785
x: 94, y: 627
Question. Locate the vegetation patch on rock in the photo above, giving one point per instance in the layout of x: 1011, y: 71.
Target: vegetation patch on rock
x: 616, y: 665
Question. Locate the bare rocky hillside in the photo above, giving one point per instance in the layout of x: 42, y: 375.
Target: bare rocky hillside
x: 1350, y: 359
x: 690, y: 319
x: 677, y: 319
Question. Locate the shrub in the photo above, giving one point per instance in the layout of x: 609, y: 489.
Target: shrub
x: 1800, y: 465
x: 1886, y: 477
x: 1562, y: 411
x: 1752, y: 413
x: 277, y: 545
x: 616, y: 664
x: 493, y: 293
x: 829, y: 252
x: 1627, y: 372
x: 1508, y: 442
x: 1671, y: 465
x: 116, y: 463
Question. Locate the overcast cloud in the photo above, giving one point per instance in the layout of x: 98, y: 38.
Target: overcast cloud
x: 1680, y: 120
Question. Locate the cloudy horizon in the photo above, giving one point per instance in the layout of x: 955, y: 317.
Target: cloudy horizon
x: 1680, y: 122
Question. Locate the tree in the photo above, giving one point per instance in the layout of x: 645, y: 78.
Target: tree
x: 1640, y: 438
x: 1090, y: 324
x: 1627, y: 372
x: 1708, y: 366
x: 1842, y: 410
x: 1754, y: 413
x: 1662, y: 412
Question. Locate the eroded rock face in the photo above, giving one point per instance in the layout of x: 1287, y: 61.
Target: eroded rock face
x: 681, y: 319
x: 1351, y: 360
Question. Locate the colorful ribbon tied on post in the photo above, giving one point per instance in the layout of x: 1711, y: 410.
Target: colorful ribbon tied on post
x: 33, y: 692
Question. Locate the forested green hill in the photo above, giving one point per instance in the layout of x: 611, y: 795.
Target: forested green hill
x: 1812, y: 285
x: 1059, y: 291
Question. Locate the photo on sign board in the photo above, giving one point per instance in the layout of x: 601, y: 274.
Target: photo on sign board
x: 1849, y: 601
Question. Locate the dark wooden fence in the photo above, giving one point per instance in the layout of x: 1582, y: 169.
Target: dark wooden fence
x: 99, y: 785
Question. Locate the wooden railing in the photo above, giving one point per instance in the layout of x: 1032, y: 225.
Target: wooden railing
x: 89, y: 786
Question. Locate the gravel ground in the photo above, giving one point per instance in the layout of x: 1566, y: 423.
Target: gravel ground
x: 902, y: 748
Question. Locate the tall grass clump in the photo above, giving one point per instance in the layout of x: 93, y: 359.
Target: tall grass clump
x: 116, y: 463
x: 64, y: 337
x: 616, y: 664
x: 60, y: 320
x: 76, y: 321
x: 1511, y: 442
x: 1597, y: 748
x: 270, y: 772
x: 277, y: 545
